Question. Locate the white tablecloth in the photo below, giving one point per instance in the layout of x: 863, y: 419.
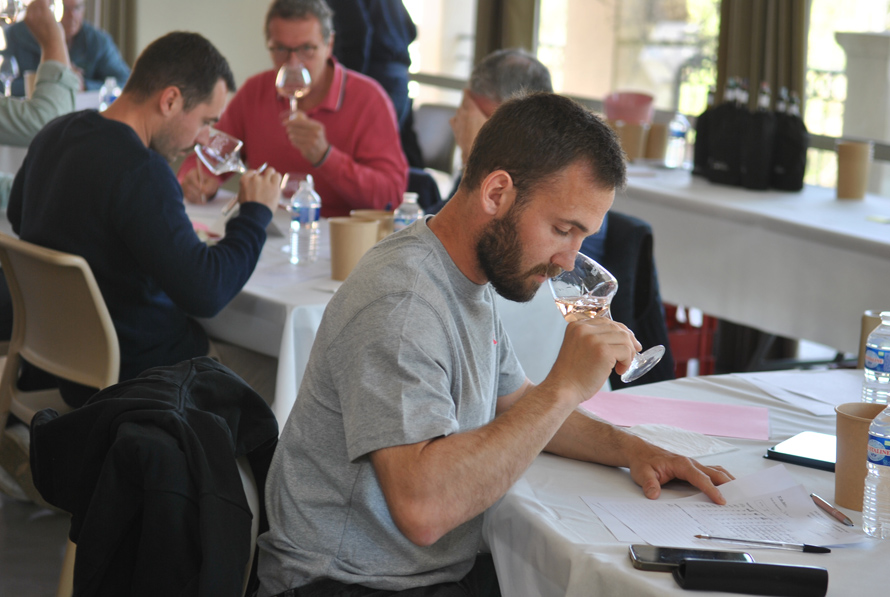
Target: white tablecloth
x: 803, y: 265
x: 547, y: 542
x: 279, y: 310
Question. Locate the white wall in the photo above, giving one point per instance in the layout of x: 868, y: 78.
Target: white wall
x: 235, y: 27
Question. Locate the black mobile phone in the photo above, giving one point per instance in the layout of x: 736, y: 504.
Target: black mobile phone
x: 665, y: 559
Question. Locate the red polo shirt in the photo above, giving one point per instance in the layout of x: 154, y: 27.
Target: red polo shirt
x: 365, y: 168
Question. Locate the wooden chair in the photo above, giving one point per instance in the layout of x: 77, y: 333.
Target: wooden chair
x: 62, y: 326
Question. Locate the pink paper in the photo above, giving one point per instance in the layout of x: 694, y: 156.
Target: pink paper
x: 726, y: 420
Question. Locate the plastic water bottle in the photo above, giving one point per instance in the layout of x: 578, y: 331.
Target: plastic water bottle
x: 407, y: 213
x: 305, y: 208
x: 108, y: 93
x: 876, y: 497
x: 675, y: 155
x: 876, y: 384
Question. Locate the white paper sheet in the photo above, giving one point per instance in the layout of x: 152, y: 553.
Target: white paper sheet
x: 817, y: 392
x: 768, y: 505
x: 681, y: 441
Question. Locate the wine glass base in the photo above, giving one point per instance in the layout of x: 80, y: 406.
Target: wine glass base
x: 643, y: 363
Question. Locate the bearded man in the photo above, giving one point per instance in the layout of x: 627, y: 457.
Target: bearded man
x: 414, y: 415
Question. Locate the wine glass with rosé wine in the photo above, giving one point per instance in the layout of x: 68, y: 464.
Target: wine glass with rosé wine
x: 587, y: 292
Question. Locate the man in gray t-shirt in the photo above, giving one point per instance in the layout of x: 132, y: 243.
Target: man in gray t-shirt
x: 414, y: 415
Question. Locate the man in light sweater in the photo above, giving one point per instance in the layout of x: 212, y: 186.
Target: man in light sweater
x: 54, y: 90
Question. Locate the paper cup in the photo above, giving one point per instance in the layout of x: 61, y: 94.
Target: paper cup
x: 633, y: 139
x: 853, y: 163
x: 350, y: 240
x: 383, y: 218
x: 853, y: 419
x: 870, y: 320
x: 656, y: 142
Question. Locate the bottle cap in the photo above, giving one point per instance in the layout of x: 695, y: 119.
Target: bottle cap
x: 409, y: 197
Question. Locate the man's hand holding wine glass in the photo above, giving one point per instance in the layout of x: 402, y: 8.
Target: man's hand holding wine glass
x: 590, y: 350
x: 307, y: 135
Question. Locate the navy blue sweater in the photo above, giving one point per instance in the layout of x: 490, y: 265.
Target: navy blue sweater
x: 89, y: 186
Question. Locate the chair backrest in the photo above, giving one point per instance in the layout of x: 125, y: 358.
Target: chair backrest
x: 60, y: 321
x: 434, y: 135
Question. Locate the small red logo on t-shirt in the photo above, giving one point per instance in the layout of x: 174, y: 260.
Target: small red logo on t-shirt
x: 495, y: 341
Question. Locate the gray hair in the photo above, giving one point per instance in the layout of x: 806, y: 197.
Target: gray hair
x: 506, y: 73
x: 302, y: 9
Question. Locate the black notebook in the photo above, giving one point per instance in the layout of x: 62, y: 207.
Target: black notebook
x: 816, y: 450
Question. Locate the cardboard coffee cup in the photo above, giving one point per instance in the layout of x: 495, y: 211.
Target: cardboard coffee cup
x: 870, y: 320
x: 853, y: 420
x: 656, y: 142
x: 383, y: 218
x: 633, y: 139
x: 350, y: 240
x: 853, y: 163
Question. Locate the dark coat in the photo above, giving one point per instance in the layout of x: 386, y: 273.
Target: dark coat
x: 147, y: 470
x: 637, y: 304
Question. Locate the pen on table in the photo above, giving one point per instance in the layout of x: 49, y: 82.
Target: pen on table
x: 234, y: 202
x: 777, y: 544
x: 831, y: 510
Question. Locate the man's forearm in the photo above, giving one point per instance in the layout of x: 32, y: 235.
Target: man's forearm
x: 584, y: 437
x: 453, y: 479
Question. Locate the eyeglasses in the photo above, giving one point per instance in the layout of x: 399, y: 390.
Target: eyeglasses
x: 306, y: 51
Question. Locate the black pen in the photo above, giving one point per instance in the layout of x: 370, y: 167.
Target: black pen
x: 831, y: 510
x: 777, y: 544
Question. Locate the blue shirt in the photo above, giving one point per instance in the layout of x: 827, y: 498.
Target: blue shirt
x: 92, y: 51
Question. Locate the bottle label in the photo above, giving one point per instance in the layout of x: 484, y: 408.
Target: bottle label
x: 878, y: 450
x: 401, y: 222
x: 877, y: 360
x: 308, y: 214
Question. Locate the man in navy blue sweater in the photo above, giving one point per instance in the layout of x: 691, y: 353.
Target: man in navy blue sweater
x: 99, y: 185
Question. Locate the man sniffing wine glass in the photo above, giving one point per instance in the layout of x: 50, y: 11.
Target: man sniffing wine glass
x: 222, y: 154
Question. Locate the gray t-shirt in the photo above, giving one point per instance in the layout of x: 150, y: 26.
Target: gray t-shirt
x: 408, y: 350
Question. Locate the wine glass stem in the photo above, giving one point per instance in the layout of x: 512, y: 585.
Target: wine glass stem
x: 7, y: 88
x: 293, y: 105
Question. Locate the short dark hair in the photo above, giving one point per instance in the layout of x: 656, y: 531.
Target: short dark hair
x: 505, y: 73
x: 180, y: 59
x: 302, y: 9
x: 537, y: 136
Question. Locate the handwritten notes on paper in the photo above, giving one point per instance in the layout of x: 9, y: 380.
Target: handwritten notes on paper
x: 784, y: 513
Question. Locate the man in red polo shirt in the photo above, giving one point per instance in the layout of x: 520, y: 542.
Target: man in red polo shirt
x: 345, y: 132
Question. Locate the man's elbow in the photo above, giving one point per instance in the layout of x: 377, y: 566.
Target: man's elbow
x: 419, y: 524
